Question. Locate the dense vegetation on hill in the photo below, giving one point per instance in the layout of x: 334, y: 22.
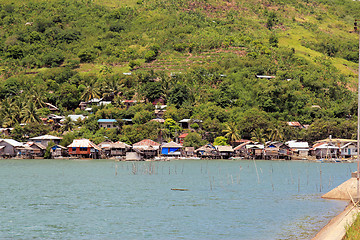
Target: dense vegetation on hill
x: 200, y: 57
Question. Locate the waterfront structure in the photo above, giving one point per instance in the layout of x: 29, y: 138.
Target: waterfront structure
x: 225, y: 152
x: 12, y: 148
x: 147, y: 148
x: 45, y: 139
x: 300, y: 148
x: 83, y: 148
x: 58, y: 151
x: 38, y: 150
x: 271, y: 151
x: 325, y: 150
x: 171, y: 149
x: 349, y: 150
x: 206, y: 151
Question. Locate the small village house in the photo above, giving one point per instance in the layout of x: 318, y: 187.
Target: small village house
x: 171, y: 149
x: 83, y: 148
x: 12, y: 148
x: 206, y: 151
x: 299, y: 148
x: 254, y: 150
x: 186, y: 123
x: 225, y: 152
x: 188, y: 152
x: 147, y: 148
x: 240, y: 150
x: 107, y: 123
x: 271, y: 151
x: 325, y: 150
x: 58, y: 151
x: 45, y: 139
x: 349, y: 150
x: 38, y: 150
x: 119, y: 149
x: 181, y: 138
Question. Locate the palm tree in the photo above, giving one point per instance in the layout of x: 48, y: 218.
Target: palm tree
x: 258, y: 135
x: 38, y: 97
x: 67, y: 125
x: 275, y: 134
x: 90, y: 92
x: 29, y: 113
x: 9, y: 112
x: 232, y: 132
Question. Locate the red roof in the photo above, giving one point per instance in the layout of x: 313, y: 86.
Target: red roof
x: 183, y: 135
x: 146, y: 142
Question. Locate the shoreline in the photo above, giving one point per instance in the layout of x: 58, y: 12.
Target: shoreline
x: 336, y: 228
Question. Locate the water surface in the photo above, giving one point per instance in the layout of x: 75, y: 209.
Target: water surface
x: 103, y: 199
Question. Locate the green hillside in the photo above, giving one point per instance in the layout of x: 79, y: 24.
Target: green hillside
x: 200, y: 57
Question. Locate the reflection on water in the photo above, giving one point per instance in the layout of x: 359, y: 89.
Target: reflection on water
x: 102, y: 199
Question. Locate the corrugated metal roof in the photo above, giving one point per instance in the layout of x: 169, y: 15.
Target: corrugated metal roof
x: 298, y: 145
x: 83, y: 143
x: 46, y: 137
x: 224, y: 148
x: 106, y: 120
x: 171, y: 145
x: 146, y: 142
x: 12, y: 142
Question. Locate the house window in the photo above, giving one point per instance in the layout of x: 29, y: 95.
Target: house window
x: 74, y: 149
x: 83, y: 149
x: 108, y: 126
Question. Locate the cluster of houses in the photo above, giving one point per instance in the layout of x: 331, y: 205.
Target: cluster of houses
x: 149, y: 149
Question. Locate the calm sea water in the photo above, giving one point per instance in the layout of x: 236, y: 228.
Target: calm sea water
x: 102, y: 199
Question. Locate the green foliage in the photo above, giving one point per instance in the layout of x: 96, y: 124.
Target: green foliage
x: 220, y: 141
x: 194, y: 139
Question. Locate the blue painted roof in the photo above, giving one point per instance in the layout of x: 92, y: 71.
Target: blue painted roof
x: 106, y: 120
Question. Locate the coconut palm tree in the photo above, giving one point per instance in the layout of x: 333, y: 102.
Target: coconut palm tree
x: 67, y: 125
x: 258, y: 135
x: 90, y: 92
x: 29, y: 113
x: 232, y: 132
x: 275, y: 134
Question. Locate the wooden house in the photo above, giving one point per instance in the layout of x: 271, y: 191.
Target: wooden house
x: 171, y: 149
x: 325, y: 150
x: 271, y: 151
x: 83, y: 148
x: 148, y: 148
x: 206, y: 151
x: 59, y: 151
x: 11, y: 148
x: 38, y: 150
x: 349, y: 150
x: 225, y: 152
x: 188, y: 151
x: 119, y: 149
x: 255, y: 150
x: 45, y: 139
x: 299, y: 148
x: 241, y: 150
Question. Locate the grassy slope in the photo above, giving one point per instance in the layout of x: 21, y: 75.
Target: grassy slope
x: 298, y: 23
